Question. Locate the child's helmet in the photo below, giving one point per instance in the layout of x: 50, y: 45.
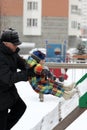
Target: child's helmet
x: 38, y: 55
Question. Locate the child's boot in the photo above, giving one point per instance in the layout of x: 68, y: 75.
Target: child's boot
x: 69, y: 87
x: 69, y: 94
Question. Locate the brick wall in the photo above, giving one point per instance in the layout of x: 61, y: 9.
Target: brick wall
x: 11, y: 7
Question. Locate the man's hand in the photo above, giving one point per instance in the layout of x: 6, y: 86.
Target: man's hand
x: 30, y: 71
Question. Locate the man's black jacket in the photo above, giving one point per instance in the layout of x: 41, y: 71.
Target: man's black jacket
x: 9, y: 63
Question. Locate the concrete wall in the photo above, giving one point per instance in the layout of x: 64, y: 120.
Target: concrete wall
x: 55, y: 29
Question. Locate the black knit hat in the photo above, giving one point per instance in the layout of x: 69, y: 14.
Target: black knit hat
x: 10, y: 35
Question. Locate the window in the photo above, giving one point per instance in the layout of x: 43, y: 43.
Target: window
x: 29, y: 22
x: 35, y: 5
x: 78, y: 26
x: 32, y: 5
x: 29, y: 5
x: 32, y: 22
x: 74, y: 9
x: 79, y: 11
x: 35, y: 22
x: 74, y: 24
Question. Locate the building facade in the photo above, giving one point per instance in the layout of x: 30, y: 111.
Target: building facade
x: 39, y: 21
x: 84, y: 19
x: 74, y: 20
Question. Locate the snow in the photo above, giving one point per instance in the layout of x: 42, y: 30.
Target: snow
x: 45, y: 115
x: 35, y: 109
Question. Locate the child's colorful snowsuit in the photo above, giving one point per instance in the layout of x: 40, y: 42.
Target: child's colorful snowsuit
x: 41, y: 83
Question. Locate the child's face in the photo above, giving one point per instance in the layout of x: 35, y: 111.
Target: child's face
x: 42, y: 62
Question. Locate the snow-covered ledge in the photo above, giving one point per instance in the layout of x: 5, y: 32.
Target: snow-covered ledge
x: 49, y: 121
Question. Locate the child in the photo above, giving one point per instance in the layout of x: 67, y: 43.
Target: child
x: 43, y: 83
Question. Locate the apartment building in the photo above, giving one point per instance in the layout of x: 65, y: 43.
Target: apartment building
x: 84, y: 19
x: 74, y: 20
x: 39, y: 21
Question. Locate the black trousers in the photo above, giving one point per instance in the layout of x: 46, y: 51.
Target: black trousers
x: 9, y: 119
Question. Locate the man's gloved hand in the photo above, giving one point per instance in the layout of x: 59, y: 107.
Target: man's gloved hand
x: 30, y: 71
x: 44, y: 72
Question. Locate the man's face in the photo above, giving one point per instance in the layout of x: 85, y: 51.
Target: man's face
x: 11, y: 46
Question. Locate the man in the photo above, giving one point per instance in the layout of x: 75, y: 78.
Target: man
x: 10, y: 61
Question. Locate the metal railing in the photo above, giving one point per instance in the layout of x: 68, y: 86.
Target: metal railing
x: 66, y: 65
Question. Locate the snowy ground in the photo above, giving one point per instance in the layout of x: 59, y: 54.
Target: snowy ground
x: 36, y: 110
